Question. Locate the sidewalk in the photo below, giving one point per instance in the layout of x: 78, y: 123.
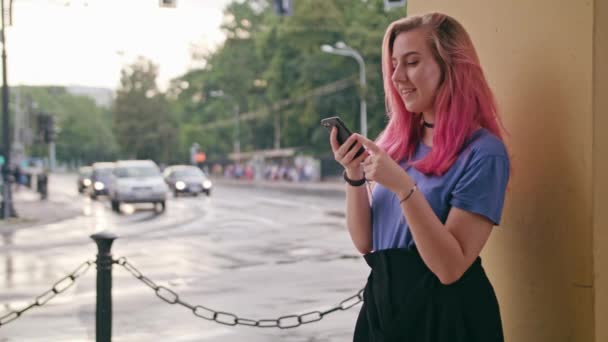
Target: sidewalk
x: 34, y: 212
x: 328, y: 188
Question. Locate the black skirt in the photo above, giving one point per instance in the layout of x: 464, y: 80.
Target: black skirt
x: 405, y: 302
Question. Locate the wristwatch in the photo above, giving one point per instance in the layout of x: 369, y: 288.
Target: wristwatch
x: 353, y: 182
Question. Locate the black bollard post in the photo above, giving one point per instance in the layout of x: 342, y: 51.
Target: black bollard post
x: 103, y: 316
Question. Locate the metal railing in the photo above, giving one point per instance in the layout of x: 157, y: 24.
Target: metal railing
x: 103, y: 314
x: 59, y: 287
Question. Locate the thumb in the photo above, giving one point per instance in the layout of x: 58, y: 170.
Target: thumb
x: 369, y: 145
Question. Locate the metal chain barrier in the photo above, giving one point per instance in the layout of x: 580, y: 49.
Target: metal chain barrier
x: 59, y: 287
x: 226, y: 318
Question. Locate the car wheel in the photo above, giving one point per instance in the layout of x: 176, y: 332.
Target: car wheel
x: 93, y: 196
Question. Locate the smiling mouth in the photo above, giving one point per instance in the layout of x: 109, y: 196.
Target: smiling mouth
x: 405, y: 92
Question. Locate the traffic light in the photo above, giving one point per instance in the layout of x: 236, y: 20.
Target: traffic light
x: 283, y: 7
x: 390, y: 4
x: 47, y: 132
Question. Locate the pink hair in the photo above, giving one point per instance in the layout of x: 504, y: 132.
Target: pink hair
x: 463, y: 99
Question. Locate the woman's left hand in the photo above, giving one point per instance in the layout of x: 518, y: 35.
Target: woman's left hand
x: 380, y: 167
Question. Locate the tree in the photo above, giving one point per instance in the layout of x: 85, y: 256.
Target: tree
x: 85, y: 135
x: 144, y: 125
x: 268, y: 60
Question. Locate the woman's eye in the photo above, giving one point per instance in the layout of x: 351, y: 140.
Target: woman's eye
x: 412, y: 63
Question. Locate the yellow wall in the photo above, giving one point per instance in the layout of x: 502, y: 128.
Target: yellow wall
x: 600, y: 170
x: 538, y: 57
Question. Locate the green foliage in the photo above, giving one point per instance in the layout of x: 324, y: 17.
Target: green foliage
x: 267, y: 59
x: 270, y: 67
x: 144, y: 125
x: 85, y: 135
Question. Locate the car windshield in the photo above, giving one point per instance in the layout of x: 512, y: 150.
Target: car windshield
x: 136, y: 171
x: 103, y: 172
x: 190, y: 172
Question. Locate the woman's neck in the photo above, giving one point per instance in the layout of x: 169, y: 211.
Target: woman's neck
x: 427, y: 133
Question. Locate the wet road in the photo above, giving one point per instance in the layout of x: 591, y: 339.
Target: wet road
x: 259, y: 254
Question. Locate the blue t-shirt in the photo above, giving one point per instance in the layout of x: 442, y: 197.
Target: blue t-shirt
x: 476, y: 182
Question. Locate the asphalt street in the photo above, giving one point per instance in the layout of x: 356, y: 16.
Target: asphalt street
x: 258, y: 253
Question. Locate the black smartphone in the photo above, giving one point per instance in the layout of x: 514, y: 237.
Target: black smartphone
x: 343, y: 131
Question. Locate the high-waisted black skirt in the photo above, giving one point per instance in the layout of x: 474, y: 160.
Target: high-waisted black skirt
x: 405, y: 302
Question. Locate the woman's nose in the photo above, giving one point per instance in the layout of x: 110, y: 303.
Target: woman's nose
x: 399, y: 75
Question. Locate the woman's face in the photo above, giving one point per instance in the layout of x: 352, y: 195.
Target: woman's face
x: 416, y: 74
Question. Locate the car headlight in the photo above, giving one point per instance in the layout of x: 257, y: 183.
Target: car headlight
x: 86, y: 182
x: 180, y: 185
x: 99, y: 186
x: 207, y: 184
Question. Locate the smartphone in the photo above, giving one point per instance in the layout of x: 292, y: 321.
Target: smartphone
x: 343, y: 131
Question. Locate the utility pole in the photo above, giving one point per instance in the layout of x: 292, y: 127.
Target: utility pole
x: 277, y: 130
x: 237, y: 120
x: 50, y: 127
x: 7, y: 207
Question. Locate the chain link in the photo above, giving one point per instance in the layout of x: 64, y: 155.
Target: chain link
x: 59, y: 287
x: 226, y: 318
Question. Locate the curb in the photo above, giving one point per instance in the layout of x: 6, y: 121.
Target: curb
x: 33, y: 214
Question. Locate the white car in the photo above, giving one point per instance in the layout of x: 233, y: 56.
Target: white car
x: 137, y: 181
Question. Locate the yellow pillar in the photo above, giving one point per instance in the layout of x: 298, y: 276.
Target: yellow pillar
x: 539, y: 59
x: 600, y: 169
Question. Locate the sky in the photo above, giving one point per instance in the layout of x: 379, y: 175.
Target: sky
x: 86, y: 42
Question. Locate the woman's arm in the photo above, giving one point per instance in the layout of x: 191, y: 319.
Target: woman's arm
x: 447, y: 250
x: 358, y: 211
x: 358, y: 214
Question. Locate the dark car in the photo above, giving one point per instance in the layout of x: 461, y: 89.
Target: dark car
x: 100, y: 179
x: 187, y: 179
x: 84, y: 178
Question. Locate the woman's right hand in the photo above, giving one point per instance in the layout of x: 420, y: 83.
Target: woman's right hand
x: 345, y: 156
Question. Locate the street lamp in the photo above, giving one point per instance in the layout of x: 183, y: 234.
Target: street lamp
x: 237, y: 134
x: 8, y: 209
x: 344, y: 50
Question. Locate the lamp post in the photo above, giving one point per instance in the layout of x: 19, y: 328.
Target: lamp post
x: 237, y: 133
x: 6, y: 196
x: 344, y: 50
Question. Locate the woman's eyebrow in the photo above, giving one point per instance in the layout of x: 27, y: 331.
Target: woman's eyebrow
x: 404, y: 56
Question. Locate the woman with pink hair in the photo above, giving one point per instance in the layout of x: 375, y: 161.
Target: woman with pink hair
x: 439, y: 171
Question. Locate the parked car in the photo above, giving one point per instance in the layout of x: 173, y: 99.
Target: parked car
x: 137, y: 181
x: 187, y: 179
x: 100, y: 178
x: 84, y: 178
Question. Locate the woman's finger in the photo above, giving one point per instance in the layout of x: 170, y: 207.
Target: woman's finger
x: 333, y: 139
x: 360, y: 159
x: 350, y: 155
x: 344, y: 148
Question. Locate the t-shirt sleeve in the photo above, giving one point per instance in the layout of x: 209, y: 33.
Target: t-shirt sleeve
x: 481, y: 189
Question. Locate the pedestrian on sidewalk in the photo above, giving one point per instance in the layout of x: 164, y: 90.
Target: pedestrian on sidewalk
x: 439, y: 172
x: 17, y: 177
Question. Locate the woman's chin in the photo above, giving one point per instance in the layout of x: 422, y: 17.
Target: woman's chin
x: 411, y: 107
